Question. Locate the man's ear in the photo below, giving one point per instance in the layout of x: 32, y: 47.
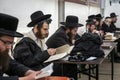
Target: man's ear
x: 35, y: 29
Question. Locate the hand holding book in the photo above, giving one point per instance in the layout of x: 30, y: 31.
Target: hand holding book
x: 47, y: 71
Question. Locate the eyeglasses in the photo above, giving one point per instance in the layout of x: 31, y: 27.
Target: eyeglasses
x: 8, y: 43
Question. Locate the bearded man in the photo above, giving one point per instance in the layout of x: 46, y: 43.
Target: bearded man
x: 31, y: 49
x: 8, y: 27
x: 65, y: 35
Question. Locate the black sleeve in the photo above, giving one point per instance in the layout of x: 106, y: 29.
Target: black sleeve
x: 57, y: 40
x: 9, y: 78
x: 16, y: 68
x: 28, y: 54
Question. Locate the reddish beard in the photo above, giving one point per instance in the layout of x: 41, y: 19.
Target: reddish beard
x: 40, y: 35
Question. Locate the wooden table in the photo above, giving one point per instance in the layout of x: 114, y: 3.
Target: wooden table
x: 96, y: 62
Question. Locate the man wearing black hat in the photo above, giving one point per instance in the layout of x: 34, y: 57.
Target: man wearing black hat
x: 106, y: 26
x: 92, y: 17
x: 8, y: 26
x: 114, y: 20
x: 114, y: 28
x: 90, y: 26
x: 31, y: 50
x: 65, y: 35
x: 99, y: 21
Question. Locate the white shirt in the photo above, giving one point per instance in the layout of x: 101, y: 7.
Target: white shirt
x: 39, y: 42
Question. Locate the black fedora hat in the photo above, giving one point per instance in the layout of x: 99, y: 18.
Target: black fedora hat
x: 113, y: 15
x: 8, y: 25
x: 98, y: 16
x: 90, y: 22
x: 91, y: 16
x: 71, y: 21
x: 37, y: 17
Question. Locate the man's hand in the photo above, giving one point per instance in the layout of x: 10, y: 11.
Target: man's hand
x: 30, y: 76
x: 51, y: 51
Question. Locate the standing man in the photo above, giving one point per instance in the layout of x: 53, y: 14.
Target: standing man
x: 31, y: 49
x: 65, y: 35
x: 8, y: 26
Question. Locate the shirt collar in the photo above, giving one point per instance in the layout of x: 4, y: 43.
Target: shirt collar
x: 32, y: 36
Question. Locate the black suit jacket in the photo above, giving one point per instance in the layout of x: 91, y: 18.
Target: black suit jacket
x: 27, y: 52
x: 59, y: 38
x: 15, y: 69
x: 107, y: 28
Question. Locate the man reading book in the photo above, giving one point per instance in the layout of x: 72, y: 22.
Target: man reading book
x: 65, y: 35
x: 8, y: 26
x: 31, y: 50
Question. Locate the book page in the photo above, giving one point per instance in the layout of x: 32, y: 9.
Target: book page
x: 47, y: 71
x: 56, y: 57
x: 65, y: 48
x: 61, y: 52
x: 62, y: 49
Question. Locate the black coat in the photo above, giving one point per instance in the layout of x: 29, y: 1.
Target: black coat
x: 27, y: 52
x: 107, y: 28
x: 60, y: 38
x: 15, y: 69
x: 89, y: 44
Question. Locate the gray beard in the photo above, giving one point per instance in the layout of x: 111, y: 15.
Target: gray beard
x: 4, y: 61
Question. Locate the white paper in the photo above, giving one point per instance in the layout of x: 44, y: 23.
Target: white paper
x: 47, y: 71
x: 91, y: 58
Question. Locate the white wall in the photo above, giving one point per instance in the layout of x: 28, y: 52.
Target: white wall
x: 82, y: 11
x: 115, y: 7
x: 24, y: 8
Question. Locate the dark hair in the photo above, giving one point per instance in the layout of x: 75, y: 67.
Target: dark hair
x: 107, y: 17
x: 67, y: 27
x: 39, y: 25
x: 48, y: 21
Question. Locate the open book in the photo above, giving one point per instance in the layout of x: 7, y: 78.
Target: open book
x: 47, y: 71
x: 61, y: 52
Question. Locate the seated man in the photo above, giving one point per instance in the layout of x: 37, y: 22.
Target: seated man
x: 65, y: 35
x: 8, y: 26
x: 91, y: 27
x: 114, y: 20
x: 31, y: 50
x: 106, y: 26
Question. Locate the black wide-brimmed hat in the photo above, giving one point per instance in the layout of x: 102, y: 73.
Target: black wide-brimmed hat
x: 90, y: 22
x: 98, y: 16
x: 91, y: 16
x: 71, y: 21
x: 37, y: 17
x: 113, y: 15
x: 8, y: 25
